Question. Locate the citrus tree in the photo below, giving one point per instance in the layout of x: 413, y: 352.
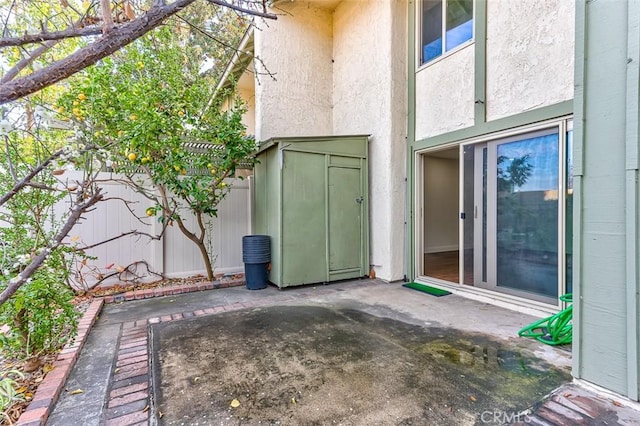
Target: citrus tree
x: 148, y: 106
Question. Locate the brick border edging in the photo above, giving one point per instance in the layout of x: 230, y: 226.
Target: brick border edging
x: 170, y: 290
x: 48, y: 391
x: 51, y: 386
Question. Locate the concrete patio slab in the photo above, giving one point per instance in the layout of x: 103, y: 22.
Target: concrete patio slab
x: 309, y: 364
x: 113, y: 369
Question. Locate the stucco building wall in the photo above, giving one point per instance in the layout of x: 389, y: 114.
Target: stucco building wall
x: 530, y: 57
x: 369, y: 94
x: 247, y: 92
x: 296, y: 100
x: 444, y: 94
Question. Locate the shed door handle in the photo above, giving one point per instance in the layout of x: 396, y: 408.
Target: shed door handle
x: 359, y: 200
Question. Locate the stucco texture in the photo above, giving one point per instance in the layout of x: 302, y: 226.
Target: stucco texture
x: 444, y: 94
x: 294, y: 72
x: 369, y: 97
x: 530, y: 57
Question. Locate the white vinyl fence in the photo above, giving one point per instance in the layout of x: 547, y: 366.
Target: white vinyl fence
x: 173, y: 255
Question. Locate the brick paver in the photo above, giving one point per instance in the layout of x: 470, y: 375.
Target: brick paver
x: 573, y: 405
x: 127, y: 390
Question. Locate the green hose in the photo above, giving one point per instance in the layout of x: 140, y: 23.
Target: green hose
x: 554, y: 330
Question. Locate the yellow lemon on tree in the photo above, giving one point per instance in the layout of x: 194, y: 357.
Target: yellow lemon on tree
x: 181, y: 113
x: 213, y: 171
x: 183, y: 172
x: 132, y: 156
x: 176, y: 168
x: 82, y: 96
x: 150, y: 212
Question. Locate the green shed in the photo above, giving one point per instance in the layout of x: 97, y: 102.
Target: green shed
x: 311, y: 198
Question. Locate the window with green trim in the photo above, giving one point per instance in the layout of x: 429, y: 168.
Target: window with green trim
x: 445, y: 25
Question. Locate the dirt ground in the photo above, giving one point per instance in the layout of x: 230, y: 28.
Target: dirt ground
x: 314, y: 365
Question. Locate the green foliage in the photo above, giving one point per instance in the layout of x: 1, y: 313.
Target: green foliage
x: 143, y: 104
x: 40, y: 315
x: 8, y: 392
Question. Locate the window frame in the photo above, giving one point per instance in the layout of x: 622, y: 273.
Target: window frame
x: 443, y: 19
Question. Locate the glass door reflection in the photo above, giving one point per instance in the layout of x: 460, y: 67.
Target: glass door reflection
x: 510, y: 224
x: 526, y: 215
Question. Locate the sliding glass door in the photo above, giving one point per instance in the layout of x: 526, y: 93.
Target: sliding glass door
x: 510, y: 215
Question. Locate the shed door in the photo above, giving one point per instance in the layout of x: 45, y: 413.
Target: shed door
x: 345, y: 212
x: 304, y: 246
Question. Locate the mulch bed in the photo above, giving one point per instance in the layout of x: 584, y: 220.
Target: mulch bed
x: 113, y: 289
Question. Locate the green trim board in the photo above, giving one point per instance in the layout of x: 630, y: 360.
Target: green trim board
x: 513, y: 121
x: 480, y: 61
x: 411, y: 137
x: 578, y: 161
x: 427, y: 289
x: 632, y: 133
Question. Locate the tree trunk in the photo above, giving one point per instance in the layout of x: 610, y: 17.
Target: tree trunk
x: 201, y: 246
x: 205, y: 258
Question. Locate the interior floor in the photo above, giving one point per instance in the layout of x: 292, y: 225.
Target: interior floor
x: 443, y: 265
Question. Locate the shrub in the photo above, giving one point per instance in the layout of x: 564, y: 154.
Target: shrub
x: 40, y: 315
x: 8, y: 393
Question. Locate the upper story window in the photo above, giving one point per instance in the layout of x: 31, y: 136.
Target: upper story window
x: 446, y: 24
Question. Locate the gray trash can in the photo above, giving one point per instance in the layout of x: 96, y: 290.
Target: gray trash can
x: 256, y: 255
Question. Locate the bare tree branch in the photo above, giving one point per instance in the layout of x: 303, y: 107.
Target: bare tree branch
x: 5, y: 27
x: 104, y: 46
x: 117, y: 237
x: 37, y: 261
x: 244, y: 10
x: 90, y: 54
x: 33, y: 173
x: 26, y: 61
x: 27, y: 179
x: 127, y: 204
x: 107, y: 19
x: 122, y: 274
x: 70, y: 32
